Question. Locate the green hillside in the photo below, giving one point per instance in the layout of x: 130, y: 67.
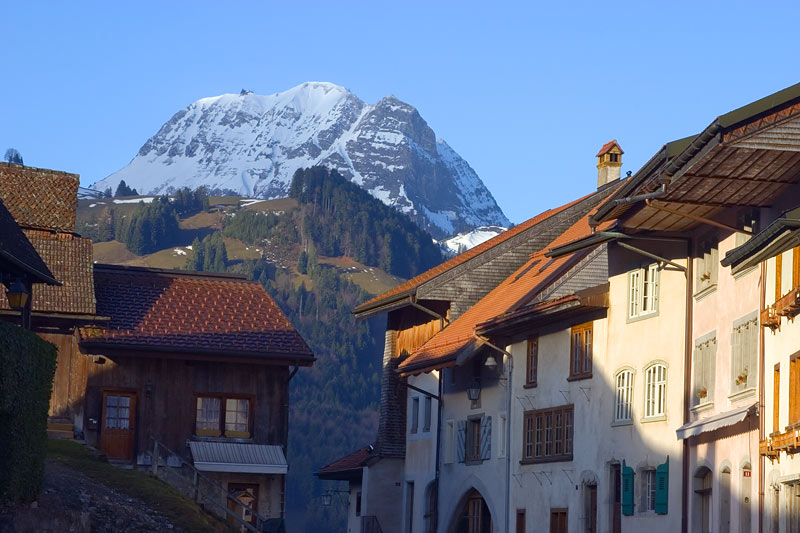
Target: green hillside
x: 319, y: 253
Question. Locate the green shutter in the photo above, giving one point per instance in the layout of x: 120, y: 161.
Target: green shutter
x: 662, y: 487
x: 627, y: 490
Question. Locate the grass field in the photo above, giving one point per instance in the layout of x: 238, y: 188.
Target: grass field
x: 154, y: 492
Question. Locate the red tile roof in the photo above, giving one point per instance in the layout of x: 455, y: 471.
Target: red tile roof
x: 536, y: 274
x: 38, y: 197
x: 413, y: 283
x: 190, y: 312
x: 354, y: 461
x: 69, y: 258
x: 18, y: 254
x: 608, y: 146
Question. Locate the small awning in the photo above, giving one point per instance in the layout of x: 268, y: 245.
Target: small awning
x: 238, y: 457
x: 781, y: 235
x: 704, y: 425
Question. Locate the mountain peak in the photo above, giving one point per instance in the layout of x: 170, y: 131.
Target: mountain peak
x: 251, y: 145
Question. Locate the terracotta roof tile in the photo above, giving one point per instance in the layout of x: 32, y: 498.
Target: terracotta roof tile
x: 608, y: 146
x: 17, y: 252
x: 428, y: 275
x: 38, y: 197
x: 69, y: 258
x: 536, y: 274
x: 355, y: 460
x: 189, y: 311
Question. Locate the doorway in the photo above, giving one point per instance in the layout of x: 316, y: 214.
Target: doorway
x: 475, y: 516
x: 616, y: 498
x: 118, y: 427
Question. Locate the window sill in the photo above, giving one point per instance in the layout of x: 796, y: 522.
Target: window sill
x: 699, y: 295
x: 742, y: 394
x: 642, y: 316
x: 472, y: 461
x: 553, y: 459
x: 206, y: 438
x: 621, y: 423
x: 703, y: 407
x: 659, y: 418
x: 529, y: 386
x: 578, y: 377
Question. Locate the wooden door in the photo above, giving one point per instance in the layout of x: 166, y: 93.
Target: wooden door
x: 616, y: 499
x: 558, y: 521
x: 118, y: 428
x: 592, y: 525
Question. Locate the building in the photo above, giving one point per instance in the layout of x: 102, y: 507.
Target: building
x: 200, y: 364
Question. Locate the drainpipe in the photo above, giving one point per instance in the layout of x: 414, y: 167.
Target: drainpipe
x: 438, y: 448
x: 761, y: 422
x: 687, y: 389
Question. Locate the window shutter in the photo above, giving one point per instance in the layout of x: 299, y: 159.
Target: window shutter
x: 627, y: 490
x: 461, y: 448
x: 486, y: 437
x: 662, y: 487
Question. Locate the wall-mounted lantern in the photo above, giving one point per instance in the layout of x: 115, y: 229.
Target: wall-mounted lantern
x: 17, y: 295
x: 474, y: 390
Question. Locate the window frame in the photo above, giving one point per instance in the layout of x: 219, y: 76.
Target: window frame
x: 627, y: 396
x: 426, y: 426
x: 704, y: 371
x: 532, y: 362
x: 538, y: 436
x: 707, y: 265
x: 794, y: 390
x: 414, y: 422
x: 744, y: 345
x: 648, y: 489
x: 656, y: 387
x: 472, y: 440
x: 642, y: 281
x: 222, y: 432
x: 584, y: 356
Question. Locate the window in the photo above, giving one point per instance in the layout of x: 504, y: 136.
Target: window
x: 705, y: 357
x: 776, y: 398
x: 649, y: 489
x: 778, y: 276
x: 548, y: 435
x: 409, y: 505
x: 707, y: 261
x: 614, y: 158
x: 358, y: 503
x: 623, y: 404
x: 473, y: 452
x: 532, y: 362
x: 232, y: 421
x: 520, y: 524
x: 414, y: 414
x: 744, y: 351
x: 558, y: 521
x: 643, y: 291
x: 794, y: 389
x: 118, y: 412
x: 655, y: 391
x: 581, y: 352
x: 428, y: 408
x: 748, y: 221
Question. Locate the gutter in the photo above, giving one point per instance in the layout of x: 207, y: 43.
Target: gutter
x: 660, y: 193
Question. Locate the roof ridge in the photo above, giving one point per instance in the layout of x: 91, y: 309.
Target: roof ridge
x: 166, y: 272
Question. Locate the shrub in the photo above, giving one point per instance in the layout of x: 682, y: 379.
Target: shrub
x: 27, y: 367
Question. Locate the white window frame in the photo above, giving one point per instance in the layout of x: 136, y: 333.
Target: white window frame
x: 623, y: 396
x: 643, y: 291
x: 648, y: 489
x: 655, y: 391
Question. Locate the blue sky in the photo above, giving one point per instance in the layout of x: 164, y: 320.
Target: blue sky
x: 526, y: 93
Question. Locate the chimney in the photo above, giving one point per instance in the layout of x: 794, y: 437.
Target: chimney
x: 609, y: 163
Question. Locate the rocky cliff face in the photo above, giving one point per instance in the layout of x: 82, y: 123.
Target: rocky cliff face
x: 252, y: 144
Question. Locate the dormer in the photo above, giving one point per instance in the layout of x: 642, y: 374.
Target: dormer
x: 609, y: 163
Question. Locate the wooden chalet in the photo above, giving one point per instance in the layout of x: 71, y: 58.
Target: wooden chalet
x: 198, y: 363
x: 43, y: 203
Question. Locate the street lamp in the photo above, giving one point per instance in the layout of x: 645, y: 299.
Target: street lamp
x: 491, y: 362
x: 17, y: 295
x: 326, y: 499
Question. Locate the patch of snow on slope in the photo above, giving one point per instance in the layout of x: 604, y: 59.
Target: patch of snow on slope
x: 464, y: 241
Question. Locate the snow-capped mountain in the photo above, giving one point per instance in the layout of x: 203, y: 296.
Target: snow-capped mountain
x: 252, y: 144
x: 464, y: 241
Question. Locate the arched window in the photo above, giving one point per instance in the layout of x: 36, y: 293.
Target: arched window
x: 623, y: 404
x: 655, y: 390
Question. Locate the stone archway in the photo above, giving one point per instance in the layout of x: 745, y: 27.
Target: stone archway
x: 473, y: 515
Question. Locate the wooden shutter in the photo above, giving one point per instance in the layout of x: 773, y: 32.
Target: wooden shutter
x: 461, y: 447
x: 662, y: 487
x: 627, y: 490
x: 486, y: 437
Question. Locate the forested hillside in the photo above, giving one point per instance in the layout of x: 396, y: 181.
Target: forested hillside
x: 299, y: 253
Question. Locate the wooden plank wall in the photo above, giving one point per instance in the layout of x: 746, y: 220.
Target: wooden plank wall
x: 69, y: 384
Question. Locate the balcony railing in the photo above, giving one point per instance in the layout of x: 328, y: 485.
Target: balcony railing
x: 789, y: 304
x: 770, y: 318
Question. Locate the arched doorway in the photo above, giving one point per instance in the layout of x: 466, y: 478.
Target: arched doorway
x: 474, y: 516
x: 702, y: 515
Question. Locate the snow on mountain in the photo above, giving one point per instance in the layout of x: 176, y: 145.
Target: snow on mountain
x: 464, y: 241
x: 252, y: 144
